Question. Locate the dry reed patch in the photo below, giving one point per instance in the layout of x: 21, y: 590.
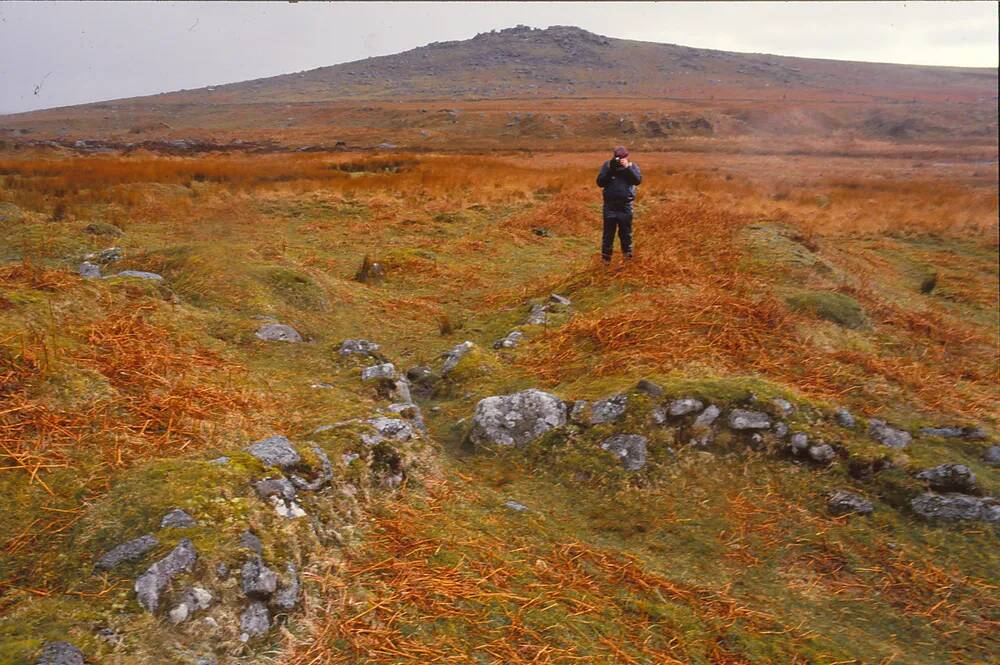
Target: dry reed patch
x: 417, y: 596
x: 162, y: 391
x: 947, y: 600
x: 35, y: 277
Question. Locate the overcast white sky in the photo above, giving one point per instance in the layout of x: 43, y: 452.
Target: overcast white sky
x: 54, y: 54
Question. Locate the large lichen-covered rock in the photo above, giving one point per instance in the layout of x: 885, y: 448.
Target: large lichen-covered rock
x: 954, y: 507
x: 154, y: 581
x: 880, y: 431
x: 992, y: 456
x: 516, y: 419
x: 949, y: 478
x: 278, y: 332
x: 629, y: 448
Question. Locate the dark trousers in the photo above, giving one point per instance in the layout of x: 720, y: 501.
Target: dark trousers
x: 619, y: 221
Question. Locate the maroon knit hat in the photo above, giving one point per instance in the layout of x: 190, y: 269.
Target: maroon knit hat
x: 621, y: 151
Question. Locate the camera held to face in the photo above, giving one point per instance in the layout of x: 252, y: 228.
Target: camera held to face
x: 616, y: 162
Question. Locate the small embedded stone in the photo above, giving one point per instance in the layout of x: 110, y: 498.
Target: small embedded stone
x: 881, y: 432
x: 650, y: 388
x: 382, y: 371
x: 799, y: 443
x: 254, y: 621
x: 608, y: 410
x: 629, y: 448
x: 259, y: 581
x: 842, y: 502
x: 177, y: 519
x: 684, y: 406
x: 843, y: 418
x: 822, y: 453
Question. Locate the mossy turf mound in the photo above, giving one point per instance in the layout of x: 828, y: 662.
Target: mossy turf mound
x: 837, y: 307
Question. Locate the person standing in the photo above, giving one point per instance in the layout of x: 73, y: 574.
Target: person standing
x: 618, y: 178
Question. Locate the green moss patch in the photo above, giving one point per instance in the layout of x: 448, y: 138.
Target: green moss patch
x: 840, y: 308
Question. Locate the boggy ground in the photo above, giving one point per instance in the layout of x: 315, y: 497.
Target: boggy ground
x: 838, y: 281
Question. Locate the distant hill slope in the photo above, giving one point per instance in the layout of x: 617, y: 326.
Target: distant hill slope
x: 565, y: 61
x: 503, y: 73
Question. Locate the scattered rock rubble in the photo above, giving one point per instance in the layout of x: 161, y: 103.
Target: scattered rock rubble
x: 520, y: 418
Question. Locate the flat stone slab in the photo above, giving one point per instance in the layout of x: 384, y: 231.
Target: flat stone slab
x: 743, y: 419
x: 275, y: 451
x: 60, y: 653
x: 132, y: 550
x: 137, y: 274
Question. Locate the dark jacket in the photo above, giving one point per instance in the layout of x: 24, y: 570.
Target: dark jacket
x: 619, y: 186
